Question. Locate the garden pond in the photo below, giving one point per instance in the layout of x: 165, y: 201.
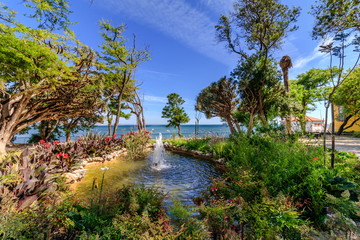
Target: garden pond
x: 180, y: 177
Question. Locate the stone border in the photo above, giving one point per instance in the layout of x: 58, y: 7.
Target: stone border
x: 78, y: 172
x: 197, y: 154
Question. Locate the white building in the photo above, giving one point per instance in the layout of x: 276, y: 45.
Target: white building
x: 313, y: 125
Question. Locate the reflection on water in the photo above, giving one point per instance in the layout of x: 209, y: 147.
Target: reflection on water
x: 183, y: 179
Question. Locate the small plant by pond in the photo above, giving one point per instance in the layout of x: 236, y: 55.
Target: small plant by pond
x: 135, y: 143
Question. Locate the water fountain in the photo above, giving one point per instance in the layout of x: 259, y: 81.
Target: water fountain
x: 179, y: 176
x: 158, y: 160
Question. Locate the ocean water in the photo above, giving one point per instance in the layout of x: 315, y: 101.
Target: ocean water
x: 167, y: 132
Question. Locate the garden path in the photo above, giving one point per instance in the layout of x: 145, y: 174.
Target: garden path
x: 342, y: 144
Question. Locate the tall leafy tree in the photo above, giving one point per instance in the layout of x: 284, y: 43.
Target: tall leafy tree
x: 42, y: 77
x: 309, y: 88
x: 256, y: 26
x: 334, y: 17
x: 260, y: 100
x: 220, y: 100
x: 119, y: 65
x: 174, y: 111
x: 135, y: 104
x: 255, y: 29
x: 337, y: 20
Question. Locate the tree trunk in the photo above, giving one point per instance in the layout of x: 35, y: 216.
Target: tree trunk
x: 109, y: 120
x: 324, y: 139
x: 302, y: 121
x: 343, y: 125
x: 332, y: 136
x: 4, y: 139
x: 179, y: 130
x: 231, y: 126
x: 67, y: 136
x: 251, y: 124
x: 288, y: 125
x: 118, y: 113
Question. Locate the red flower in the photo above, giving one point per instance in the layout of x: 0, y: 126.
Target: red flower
x: 42, y: 141
x: 47, y: 145
x: 79, y: 139
x: 56, y: 142
x: 65, y: 155
x: 59, y: 155
x: 314, y: 159
x: 108, y: 139
x: 114, y: 136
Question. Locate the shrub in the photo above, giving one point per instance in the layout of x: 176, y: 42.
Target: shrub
x: 135, y: 143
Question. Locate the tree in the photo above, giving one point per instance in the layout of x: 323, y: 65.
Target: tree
x: 348, y: 96
x: 310, y: 87
x: 254, y: 30
x: 51, y: 14
x: 337, y: 20
x: 333, y: 17
x: 119, y: 64
x: 174, y: 112
x: 285, y: 64
x: 220, y: 100
x: 79, y: 123
x: 263, y: 99
x: 136, y: 108
x: 43, y: 77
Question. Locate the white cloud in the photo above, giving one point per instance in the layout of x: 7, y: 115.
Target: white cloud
x: 177, y: 19
x: 155, y: 99
x: 303, y: 61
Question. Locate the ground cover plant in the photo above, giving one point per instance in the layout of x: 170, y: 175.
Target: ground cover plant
x: 276, y: 187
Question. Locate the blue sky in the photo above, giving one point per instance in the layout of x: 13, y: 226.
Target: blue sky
x: 185, y: 56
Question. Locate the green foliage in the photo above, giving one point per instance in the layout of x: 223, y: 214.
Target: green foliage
x: 174, y: 112
x: 119, y: 63
x: 133, y: 212
x: 262, y: 25
x: 309, y: 88
x: 260, y: 91
x: 183, y: 219
x: 45, y: 75
x: 219, y: 100
x: 51, y: 14
x: 356, y: 134
x: 277, y: 187
x: 335, y: 16
x: 135, y: 144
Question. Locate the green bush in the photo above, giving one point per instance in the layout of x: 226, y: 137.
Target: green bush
x: 135, y: 144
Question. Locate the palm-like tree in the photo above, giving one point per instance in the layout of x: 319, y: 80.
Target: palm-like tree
x: 285, y: 64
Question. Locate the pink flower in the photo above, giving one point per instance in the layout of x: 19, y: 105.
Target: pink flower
x: 47, y: 145
x: 114, y: 136
x: 42, y: 141
x: 65, y: 155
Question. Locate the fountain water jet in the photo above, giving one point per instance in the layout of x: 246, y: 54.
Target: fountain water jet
x: 158, y: 161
